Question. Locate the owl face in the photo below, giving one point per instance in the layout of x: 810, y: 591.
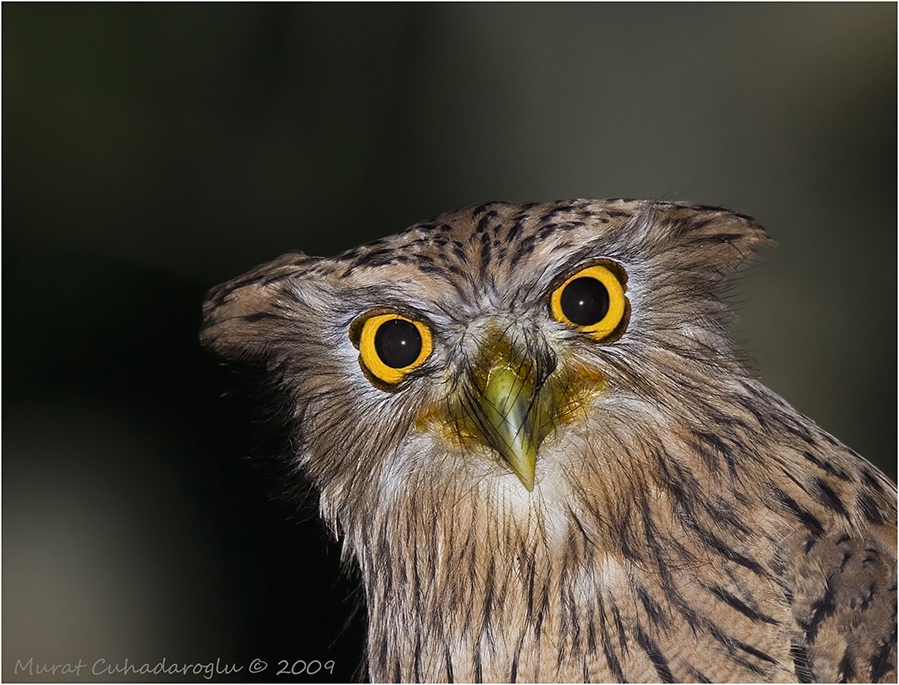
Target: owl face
x: 482, y: 344
x: 497, y: 382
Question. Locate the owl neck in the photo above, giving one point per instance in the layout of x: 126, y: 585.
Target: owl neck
x: 462, y: 586
x: 480, y: 580
x: 493, y: 583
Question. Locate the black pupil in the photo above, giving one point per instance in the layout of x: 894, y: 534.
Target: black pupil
x: 585, y: 301
x: 398, y: 343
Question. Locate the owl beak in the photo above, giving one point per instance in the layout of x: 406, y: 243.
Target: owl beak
x: 506, y: 421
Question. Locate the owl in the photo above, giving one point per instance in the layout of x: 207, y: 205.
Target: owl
x: 531, y: 432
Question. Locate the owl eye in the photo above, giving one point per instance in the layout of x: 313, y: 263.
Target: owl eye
x: 592, y: 300
x: 391, y: 345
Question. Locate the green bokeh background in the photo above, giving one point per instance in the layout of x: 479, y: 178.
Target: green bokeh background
x: 152, y: 151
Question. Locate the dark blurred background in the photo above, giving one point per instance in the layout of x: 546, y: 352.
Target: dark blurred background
x: 152, y: 151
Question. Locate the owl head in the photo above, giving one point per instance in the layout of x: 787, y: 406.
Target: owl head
x: 503, y: 346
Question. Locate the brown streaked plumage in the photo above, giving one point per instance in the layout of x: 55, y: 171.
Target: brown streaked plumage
x: 568, y: 487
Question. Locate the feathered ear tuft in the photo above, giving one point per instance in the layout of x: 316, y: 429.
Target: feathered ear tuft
x: 708, y: 239
x: 247, y: 316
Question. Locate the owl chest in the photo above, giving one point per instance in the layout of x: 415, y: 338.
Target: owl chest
x: 479, y: 609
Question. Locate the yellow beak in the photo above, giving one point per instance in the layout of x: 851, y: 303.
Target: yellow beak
x: 506, y: 420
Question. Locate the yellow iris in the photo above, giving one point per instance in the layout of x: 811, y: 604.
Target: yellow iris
x: 596, y: 305
x: 391, y: 345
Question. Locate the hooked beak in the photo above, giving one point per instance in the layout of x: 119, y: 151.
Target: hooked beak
x: 507, y: 422
x: 511, y: 402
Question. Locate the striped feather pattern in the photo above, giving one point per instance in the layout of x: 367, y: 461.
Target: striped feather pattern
x: 686, y: 524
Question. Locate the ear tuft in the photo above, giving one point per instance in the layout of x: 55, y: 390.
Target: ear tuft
x: 710, y: 238
x: 244, y: 317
